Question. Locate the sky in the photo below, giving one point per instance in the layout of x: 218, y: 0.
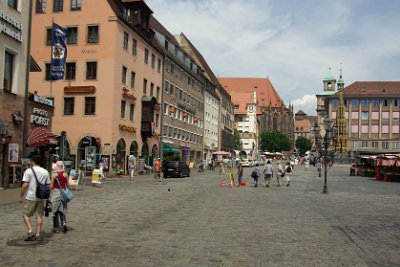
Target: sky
x: 292, y: 42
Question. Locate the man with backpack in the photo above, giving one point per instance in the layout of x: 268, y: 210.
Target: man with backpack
x: 32, y: 204
x: 288, y: 172
x: 268, y: 172
x: 255, y: 174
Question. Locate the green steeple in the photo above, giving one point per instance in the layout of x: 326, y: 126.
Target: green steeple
x: 329, y: 76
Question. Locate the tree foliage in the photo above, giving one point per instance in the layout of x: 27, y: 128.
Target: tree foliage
x: 303, y: 144
x: 236, y: 138
x: 275, y: 142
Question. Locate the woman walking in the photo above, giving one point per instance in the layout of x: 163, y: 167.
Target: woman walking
x: 59, y: 208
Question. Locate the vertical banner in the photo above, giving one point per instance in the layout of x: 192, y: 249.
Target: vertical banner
x: 58, y: 52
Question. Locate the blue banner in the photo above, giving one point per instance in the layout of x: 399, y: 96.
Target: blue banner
x: 58, y: 52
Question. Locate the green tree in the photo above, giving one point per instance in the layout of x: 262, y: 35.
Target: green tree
x: 236, y: 138
x: 303, y: 144
x: 275, y: 142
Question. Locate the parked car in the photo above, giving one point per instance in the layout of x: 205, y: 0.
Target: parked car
x: 175, y: 169
x: 246, y: 163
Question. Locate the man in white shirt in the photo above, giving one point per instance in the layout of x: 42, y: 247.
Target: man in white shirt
x: 268, y: 173
x: 31, y: 204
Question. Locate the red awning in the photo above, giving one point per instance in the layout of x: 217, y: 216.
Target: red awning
x: 40, y: 136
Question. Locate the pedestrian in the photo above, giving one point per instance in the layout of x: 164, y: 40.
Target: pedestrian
x: 353, y: 169
x: 268, y: 172
x: 131, y: 167
x: 240, y: 174
x: 279, y: 172
x: 157, y: 174
x: 255, y: 175
x: 288, y: 172
x: 31, y: 204
x: 59, y: 208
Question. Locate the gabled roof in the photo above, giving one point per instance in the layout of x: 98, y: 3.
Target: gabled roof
x: 266, y: 93
x: 371, y: 89
x: 241, y: 100
x: 300, y: 112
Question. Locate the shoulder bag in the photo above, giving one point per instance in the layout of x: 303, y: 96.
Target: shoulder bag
x: 42, y: 190
x: 66, y: 194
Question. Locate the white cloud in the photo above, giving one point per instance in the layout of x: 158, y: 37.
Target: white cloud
x: 293, y: 43
x: 307, y: 103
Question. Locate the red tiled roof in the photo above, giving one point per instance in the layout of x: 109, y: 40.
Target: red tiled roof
x: 371, y: 89
x: 241, y: 100
x: 305, y: 124
x: 266, y: 93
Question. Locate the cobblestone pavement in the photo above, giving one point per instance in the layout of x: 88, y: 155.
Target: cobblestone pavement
x: 194, y: 222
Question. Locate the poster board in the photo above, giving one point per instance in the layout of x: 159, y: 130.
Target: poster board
x: 105, y: 159
x: 96, y: 176
x: 74, y: 177
x: 141, y: 166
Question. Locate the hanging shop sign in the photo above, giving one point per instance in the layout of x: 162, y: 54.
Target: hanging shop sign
x: 39, y: 117
x: 80, y: 89
x: 17, y: 118
x: 42, y: 100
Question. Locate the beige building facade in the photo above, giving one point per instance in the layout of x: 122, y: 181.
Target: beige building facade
x: 14, y: 58
x: 109, y: 100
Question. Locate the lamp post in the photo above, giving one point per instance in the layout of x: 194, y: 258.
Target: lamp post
x: 317, y: 136
x: 330, y: 134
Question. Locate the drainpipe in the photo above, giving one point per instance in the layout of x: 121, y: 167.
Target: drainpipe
x: 160, y: 142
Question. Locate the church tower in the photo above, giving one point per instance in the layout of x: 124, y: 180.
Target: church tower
x: 329, y: 83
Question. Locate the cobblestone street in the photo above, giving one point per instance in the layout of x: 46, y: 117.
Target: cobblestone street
x: 194, y: 222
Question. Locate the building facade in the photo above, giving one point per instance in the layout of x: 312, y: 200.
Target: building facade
x: 372, y: 113
x: 183, y: 100
x: 14, y: 62
x: 109, y: 100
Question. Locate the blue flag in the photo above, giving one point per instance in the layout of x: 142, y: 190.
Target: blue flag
x: 58, y: 52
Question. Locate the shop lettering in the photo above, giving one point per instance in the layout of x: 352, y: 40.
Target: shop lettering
x: 10, y: 20
x: 43, y: 100
x: 127, y: 128
x: 40, y: 112
x: 39, y: 120
x: 17, y: 35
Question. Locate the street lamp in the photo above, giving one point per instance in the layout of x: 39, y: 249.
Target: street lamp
x: 330, y: 135
x: 317, y: 136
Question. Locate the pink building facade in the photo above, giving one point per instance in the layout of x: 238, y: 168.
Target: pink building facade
x: 109, y: 100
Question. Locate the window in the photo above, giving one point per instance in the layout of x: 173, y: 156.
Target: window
x: 58, y: 5
x: 374, y: 144
x: 91, y: 70
x: 395, y: 129
x: 354, y: 102
x: 396, y: 102
x: 335, y: 102
x: 385, y: 129
x: 374, y: 129
x: 69, y: 105
x: 354, y: 145
x: 157, y: 119
x: 47, y: 72
x: 126, y: 37
x: 364, y: 102
x: 90, y: 105
x: 375, y: 102
x: 364, y: 144
x: 396, y: 115
x: 124, y: 71
x: 40, y: 6
x: 8, y: 71
x: 385, y: 115
x: 159, y: 65
x: 134, y: 44
x: 132, y: 112
x: 166, y: 86
x: 171, y: 89
x: 76, y: 5
x: 385, y: 102
x: 354, y: 128
x: 395, y: 145
x: 93, y: 34
x: 165, y: 109
x: 158, y: 94
x: 13, y: 4
x: 385, y: 145
x: 123, y: 104
x: 133, y: 77
x: 364, y: 115
x: 48, y: 36
x: 375, y: 115
x: 72, y: 35
x: 354, y: 115
x: 144, y: 86
x: 151, y: 89
x: 70, y: 70
x: 153, y: 61
x: 146, y: 56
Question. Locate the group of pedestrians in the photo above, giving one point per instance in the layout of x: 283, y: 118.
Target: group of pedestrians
x: 268, y: 173
x: 32, y: 205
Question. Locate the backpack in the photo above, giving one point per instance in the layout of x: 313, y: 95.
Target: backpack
x: 254, y: 174
x: 288, y: 169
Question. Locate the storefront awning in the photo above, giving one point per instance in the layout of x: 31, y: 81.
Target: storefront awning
x: 40, y: 136
x: 168, y: 148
